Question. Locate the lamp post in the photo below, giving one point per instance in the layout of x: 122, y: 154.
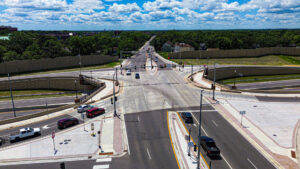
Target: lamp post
x: 11, y: 95
x: 76, y: 88
x: 199, y: 132
x: 214, y: 86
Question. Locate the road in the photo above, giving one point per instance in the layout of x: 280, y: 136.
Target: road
x: 144, y: 103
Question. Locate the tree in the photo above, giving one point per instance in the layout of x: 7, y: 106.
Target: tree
x: 10, y: 56
x: 2, y: 52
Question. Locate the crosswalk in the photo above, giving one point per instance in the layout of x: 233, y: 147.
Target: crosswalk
x: 102, y: 163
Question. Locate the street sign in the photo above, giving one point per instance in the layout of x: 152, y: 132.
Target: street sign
x: 242, y: 112
x: 53, y: 134
x: 191, y: 144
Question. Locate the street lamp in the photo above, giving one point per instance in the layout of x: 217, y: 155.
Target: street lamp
x: 11, y: 95
x: 199, y: 132
x: 76, y: 88
x: 214, y: 84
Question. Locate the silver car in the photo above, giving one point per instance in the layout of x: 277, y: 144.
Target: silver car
x: 83, y: 108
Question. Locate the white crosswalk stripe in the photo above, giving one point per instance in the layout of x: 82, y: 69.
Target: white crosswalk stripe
x: 101, y: 166
x: 103, y: 160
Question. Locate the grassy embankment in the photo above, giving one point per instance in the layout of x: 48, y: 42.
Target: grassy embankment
x: 30, y: 93
x: 271, y: 60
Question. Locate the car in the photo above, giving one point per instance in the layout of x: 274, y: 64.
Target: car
x: 128, y: 72
x: 137, y: 75
x: 94, y: 112
x: 209, y: 146
x: 2, y: 141
x: 187, y: 117
x: 83, y: 108
x: 24, y: 133
x: 67, y: 122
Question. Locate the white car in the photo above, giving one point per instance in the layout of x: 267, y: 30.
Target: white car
x: 83, y: 108
x: 25, y: 133
x: 128, y: 72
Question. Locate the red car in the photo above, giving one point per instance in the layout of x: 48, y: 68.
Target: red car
x: 94, y: 112
x: 67, y: 122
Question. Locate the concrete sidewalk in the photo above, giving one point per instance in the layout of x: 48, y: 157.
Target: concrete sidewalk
x: 178, y: 134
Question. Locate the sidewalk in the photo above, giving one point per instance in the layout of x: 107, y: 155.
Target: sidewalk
x: 179, y: 143
x: 77, y: 142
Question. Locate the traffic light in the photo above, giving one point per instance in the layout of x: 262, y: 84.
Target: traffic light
x: 151, y: 67
x: 135, y: 67
x: 144, y: 66
x: 62, y: 165
x: 195, y: 147
x: 111, y: 100
x: 116, y: 98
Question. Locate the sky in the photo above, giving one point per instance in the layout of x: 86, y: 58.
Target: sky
x: 149, y: 14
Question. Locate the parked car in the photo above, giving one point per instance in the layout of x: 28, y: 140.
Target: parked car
x: 128, y: 72
x: 94, y: 112
x: 187, y: 117
x: 209, y: 146
x: 25, y: 133
x: 137, y: 75
x: 67, y: 122
x: 84, y: 107
x: 2, y: 141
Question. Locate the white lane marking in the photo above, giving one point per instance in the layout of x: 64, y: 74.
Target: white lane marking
x: 195, y: 125
x: 251, y: 163
x: 148, y: 154
x: 215, y: 123
x: 226, y: 161
x: 100, y: 166
x: 207, y: 135
x: 198, y: 124
x: 138, y: 118
x: 103, y: 160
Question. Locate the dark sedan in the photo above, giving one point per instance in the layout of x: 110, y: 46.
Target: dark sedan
x: 67, y: 122
x: 209, y: 145
x: 187, y: 117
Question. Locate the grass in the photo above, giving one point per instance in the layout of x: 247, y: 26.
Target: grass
x: 163, y: 54
x: 271, y: 60
x: 109, y: 65
x: 252, y: 79
x: 30, y: 92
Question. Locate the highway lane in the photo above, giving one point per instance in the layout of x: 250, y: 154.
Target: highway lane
x: 47, y: 127
x: 37, y: 102
x: 236, y: 151
x: 269, y: 85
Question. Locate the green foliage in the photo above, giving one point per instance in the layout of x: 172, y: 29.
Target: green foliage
x: 290, y: 59
x: 229, y: 39
x: 35, y: 45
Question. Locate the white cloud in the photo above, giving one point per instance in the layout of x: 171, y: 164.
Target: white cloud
x: 161, y: 5
x: 124, y: 8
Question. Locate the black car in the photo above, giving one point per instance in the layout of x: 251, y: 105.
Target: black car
x: 187, y: 117
x: 2, y: 141
x: 137, y: 75
x: 209, y: 146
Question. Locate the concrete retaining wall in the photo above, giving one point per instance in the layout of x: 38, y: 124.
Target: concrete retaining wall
x: 236, y: 53
x: 231, y: 72
x: 48, y: 83
x: 21, y: 66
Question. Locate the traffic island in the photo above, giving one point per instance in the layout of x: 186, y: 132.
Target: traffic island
x: 181, y: 146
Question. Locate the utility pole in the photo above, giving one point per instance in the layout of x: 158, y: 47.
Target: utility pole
x: 79, y: 62
x: 11, y: 95
x: 192, y: 70
x: 114, y: 100
x: 214, y: 87
x: 76, y: 88
x: 199, y: 132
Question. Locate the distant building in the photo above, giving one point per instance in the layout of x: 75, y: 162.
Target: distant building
x: 4, y: 37
x: 8, y: 28
x: 182, y: 47
x: 167, y: 47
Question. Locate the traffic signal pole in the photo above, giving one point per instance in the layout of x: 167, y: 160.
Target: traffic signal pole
x: 199, y: 132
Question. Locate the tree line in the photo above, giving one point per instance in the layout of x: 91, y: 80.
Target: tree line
x: 36, y: 45
x: 230, y: 39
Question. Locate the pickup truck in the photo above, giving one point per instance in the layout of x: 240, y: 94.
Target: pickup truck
x: 209, y: 146
x: 25, y: 133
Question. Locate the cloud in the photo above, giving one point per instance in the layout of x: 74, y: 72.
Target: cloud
x: 124, y: 8
x: 161, y: 5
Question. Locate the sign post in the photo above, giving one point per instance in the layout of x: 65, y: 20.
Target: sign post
x: 53, y: 136
x: 82, y: 116
x: 242, y: 113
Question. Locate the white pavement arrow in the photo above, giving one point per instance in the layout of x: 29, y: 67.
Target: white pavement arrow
x: 45, y: 127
